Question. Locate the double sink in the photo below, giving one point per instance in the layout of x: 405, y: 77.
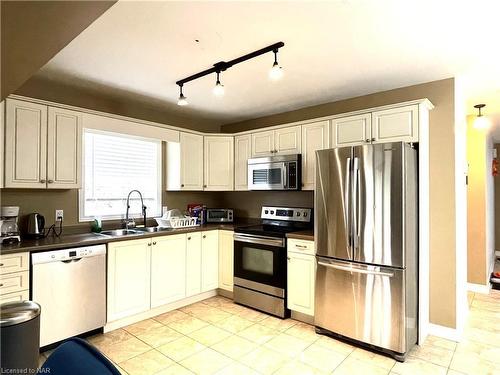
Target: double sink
x: 135, y: 231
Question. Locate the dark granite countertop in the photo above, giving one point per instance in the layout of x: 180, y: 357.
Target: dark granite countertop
x: 307, y: 235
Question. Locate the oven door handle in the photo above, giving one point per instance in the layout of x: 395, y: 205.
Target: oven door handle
x: 259, y: 240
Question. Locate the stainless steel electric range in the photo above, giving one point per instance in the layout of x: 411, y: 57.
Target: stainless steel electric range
x: 260, y: 259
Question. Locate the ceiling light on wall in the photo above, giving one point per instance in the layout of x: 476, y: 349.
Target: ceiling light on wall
x: 182, y: 99
x: 481, y: 122
x: 276, y: 72
x: 218, y: 89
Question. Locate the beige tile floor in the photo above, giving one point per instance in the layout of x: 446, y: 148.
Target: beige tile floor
x: 216, y: 336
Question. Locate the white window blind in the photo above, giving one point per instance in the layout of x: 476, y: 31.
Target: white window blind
x: 115, y: 164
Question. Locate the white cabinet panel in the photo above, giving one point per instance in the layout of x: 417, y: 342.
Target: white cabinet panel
x: 168, y: 269
x: 395, y: 124
x: 25, y: 145
x: 300, y: 283
x: 314, y: 137
x: 129, y: 278
x: 242, y: 152
x: 287, y: 140
x: 193, y: 263
x: 64, y: 148
x: 219, y: 163
x: 262, y: 143
x: 226, y: 254
x: 191, y: 159
x: 209, y: 260
x: 352, y: 130
x: 22, y: 295
x: 2, y: 134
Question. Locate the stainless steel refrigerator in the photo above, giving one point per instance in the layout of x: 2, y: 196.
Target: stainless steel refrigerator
x: 366, y: 219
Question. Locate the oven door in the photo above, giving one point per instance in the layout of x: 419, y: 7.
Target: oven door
x: 260, y: 263
x: 267, y: 176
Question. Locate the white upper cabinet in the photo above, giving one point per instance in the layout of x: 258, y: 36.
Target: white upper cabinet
x: 351, y: 130
x: 226, y: 254
x: 168, y: 269
x: 242, y: 152
x: 262, y: 144
x: 287, y: 141
x: 209, y: 260
x: 191, y: 161
x: 64, y: 149
x: 25, y: 145
x: 219, y: 163
x: 2, y: 133
x: 314, y: 137
x: 395, y: 124
x: 193, y: 263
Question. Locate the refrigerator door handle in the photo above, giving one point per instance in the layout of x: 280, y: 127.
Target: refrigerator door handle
x: 376, y: 271
x: 347, y: 199
x: 356, y: 204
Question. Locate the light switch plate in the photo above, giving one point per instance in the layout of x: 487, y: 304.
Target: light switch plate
x: 59, y: 215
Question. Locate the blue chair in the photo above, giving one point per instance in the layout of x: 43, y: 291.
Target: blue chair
x: 77, y: 357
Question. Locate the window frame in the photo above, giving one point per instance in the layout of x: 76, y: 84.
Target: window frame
x: 81, y: 196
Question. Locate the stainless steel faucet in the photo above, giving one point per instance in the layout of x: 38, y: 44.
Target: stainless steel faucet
x: 130, y: 223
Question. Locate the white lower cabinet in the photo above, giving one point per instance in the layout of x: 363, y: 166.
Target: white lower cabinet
x: 168, y: 269
x: 129, y: 278
x: 193, y: 263
x: 301, y: 281
x: 209, y: 260
x: 226, y: 256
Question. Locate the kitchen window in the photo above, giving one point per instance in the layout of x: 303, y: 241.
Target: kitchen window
x: 115, y: 164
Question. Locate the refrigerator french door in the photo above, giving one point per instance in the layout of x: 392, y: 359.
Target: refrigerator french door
x: 366, y: 233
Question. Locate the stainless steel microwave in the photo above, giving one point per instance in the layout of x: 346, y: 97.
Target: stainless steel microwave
x: 219, y: 215
x: 283, y: 172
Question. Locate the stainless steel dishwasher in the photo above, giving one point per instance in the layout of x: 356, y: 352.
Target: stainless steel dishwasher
x: 70, y: 287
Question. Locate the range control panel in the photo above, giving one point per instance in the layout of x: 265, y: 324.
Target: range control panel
x: 286, y: 213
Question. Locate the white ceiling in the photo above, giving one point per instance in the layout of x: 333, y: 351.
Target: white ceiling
x: 333, y: 50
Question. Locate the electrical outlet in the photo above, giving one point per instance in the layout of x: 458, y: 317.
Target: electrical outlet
x: 59, y: 215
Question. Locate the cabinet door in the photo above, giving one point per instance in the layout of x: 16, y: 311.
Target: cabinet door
x: 300, y: 283
x: 352, y: 130
x: 395, y: 124
x: 2, y: 133
x: 129, y: 278
x: 168, y: 269
x: 193, y: 263
x: 226, y: 251
x: 191, y: 161
x: 219, y: 163
x: 64, y: 149
x: 209, y: 260
x: 287, y: 140
x: 242, y: 152
x: 314, y: 137
x: 25, y: 145
x: 262, y: 144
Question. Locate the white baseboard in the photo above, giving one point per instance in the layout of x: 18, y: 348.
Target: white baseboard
x: 479, y: 288
x: 444, y: 332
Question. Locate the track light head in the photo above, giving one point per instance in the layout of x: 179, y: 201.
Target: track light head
x: 218, y: 89
x: 481, y: 122
x: 276, y: 72
x: 182, y: 99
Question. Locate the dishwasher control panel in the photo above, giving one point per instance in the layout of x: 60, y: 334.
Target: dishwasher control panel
x: 67, y: 254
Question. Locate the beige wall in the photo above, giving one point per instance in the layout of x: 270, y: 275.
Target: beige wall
x: 35, y: 31
x: 497, y: 203
x: 442, y: 177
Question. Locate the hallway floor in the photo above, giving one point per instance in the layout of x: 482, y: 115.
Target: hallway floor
x: 216, y: 336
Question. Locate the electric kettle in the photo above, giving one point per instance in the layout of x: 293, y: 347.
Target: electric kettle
x: 36, y: 226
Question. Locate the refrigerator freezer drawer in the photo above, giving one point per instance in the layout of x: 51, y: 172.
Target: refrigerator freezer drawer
x: 362, y: 302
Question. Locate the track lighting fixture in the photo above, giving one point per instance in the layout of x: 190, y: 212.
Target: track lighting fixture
x: 218, y: 89
x: 275, y: 73
x: 182, y: 99
x: 481, y: 122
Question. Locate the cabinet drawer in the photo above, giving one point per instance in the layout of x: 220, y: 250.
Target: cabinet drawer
x: 14, y: 282
x: 14, y: 263
x: 22, y: 295
x: 301, y: 246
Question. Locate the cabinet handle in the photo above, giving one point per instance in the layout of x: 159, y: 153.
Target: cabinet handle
x: 367, y: 140
x: 204, y: 236
x: 182, y: 185
x: 154, y: 243
x: 42, y: 181
x: 1, y: 285
x: 301, y: 246
x: 189, y: 238
x: 373, y: 139
x: 50, y: 181
x: 1, y: 264
x: 288, y: 258
x: 204, y: 186
x: 149, y: 244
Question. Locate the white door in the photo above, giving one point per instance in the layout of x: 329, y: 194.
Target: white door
x: 219, y: 163
x: 226, y: 255
x: 64, y: 148
x: 395, y: 124
x: 209, y: 260
x: 263, y: 144
x: 242, y: 152
x: 191, y: 161
x: 168, y: 269
x: 25, y: 145
x: 129, y: 278
x: 314, y: 137
x: 193, y: 263
x: 300, y: 282
x: 287, y: 140
x: 351, y: 130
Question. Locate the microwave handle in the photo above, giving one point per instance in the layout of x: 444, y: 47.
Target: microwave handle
x: 284, y: 172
